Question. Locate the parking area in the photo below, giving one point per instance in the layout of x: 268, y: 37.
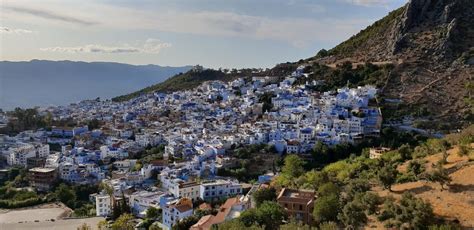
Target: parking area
x: 44, y: 217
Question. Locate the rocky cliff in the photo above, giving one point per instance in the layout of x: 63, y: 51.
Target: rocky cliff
x: 431, y: 44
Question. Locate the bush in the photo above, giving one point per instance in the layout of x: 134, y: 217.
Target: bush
x: 412, y: 212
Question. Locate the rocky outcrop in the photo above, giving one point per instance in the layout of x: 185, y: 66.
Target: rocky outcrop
x: 434, y: 41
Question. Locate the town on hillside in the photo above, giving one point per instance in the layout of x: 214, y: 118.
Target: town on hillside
x: 170, y: 152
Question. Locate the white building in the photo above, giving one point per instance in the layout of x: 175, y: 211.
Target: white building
x: 19, y: 155
x: 218, y: 189
x: 102, y: 205
x: 186, y: 190
x: 175, y: 212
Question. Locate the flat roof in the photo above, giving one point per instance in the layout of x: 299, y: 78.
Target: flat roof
x: 43, y: 170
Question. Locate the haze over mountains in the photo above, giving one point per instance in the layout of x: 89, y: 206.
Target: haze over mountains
x: 42, y: 83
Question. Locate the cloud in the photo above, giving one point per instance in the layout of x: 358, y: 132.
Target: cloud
x: 294, y: 30
x: 50, y: 15
x: 151, y: 46
x: 369, y: 3
x: 6, y: 30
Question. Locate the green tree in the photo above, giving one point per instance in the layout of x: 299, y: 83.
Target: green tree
x: 293, y: 166
x: 463, y: 150
x: 264, y: 194
x: 326, y: 208
x: 314, y: 179
x: 328, y: 189
x: 415, y: 167
x: 405, y: 152
x: 248, y: 217
x: 412, y: 213
x: 353, y: 215
x: 185, y: 223
x: 236, y: 224
x: 124, y: 222
x: 270, y: 214
x: 387, y: 176
x: 439, y: 175
x: 66, y: 195
x: 369, y: 200
x: 152, y: 213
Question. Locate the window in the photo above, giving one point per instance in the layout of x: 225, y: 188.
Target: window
x: 301, y: 207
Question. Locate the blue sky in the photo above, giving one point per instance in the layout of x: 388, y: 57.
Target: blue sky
x: 213, y: 33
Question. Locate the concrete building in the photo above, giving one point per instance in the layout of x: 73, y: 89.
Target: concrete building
x: 102, y: 205
x: 298, y: 203
x: 187, y: 190
x: 175, y: 212
x: 42, y: 179
x: 218, y: 189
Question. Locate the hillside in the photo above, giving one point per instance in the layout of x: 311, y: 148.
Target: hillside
x: 451, y: 203
x: 41, y: 83
x: 431, y: 47
x: 191, y: 79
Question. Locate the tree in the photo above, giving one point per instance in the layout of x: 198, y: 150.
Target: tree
x: 369, y: 200
x: 412, y: 213
x: 248, y: 217
x: 440, y: 175
x: 109, y: 190
x: 102, y: 225
x: 326, y: 208
x: 66, y: 195
x: 415, y: 167
x: 185, y: 223
x: 264, y: 194
x: 314, y: 179
x: 124, y: 222
x: 293, y: 166
x: 387, y: 176
x: 152, y: 213
x: 270, y: 214
x: 463, y: 150
x: 355, y: 187
x: 322, y: 53
x: 353, y: 215
x: 328, y: 189
x: 236, y: 224
x: 405, y: 152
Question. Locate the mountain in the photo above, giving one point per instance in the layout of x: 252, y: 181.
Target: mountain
x: 429, y: 46
x: 41, y: 83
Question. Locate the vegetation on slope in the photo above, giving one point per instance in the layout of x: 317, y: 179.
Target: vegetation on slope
x: 345, y: 74
x: 373, y: 31
x: 192, y: 79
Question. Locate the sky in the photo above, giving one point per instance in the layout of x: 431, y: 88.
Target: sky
x: 213, y: 33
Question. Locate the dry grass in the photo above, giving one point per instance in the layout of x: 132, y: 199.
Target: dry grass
x: 455, y: 202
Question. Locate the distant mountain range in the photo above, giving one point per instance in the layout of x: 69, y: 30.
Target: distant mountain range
x: 42, y: 83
